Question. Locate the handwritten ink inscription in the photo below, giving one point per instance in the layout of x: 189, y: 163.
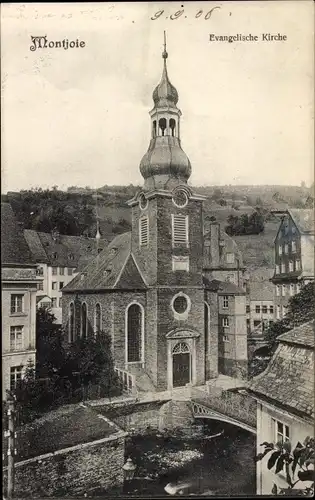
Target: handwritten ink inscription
x: 199, y: 14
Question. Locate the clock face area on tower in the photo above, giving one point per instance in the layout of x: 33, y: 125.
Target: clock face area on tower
x: 180, y: 198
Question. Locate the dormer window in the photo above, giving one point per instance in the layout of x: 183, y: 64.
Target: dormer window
x: 54, y: 255
x: 71, y: 257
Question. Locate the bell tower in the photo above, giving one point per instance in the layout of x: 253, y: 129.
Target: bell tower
x: 167, y: 244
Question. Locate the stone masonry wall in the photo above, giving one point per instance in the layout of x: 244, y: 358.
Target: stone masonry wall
x: 73, y: 472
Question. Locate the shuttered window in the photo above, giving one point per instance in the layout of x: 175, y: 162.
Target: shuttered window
x: 180, y: 229
x: 144, y: 231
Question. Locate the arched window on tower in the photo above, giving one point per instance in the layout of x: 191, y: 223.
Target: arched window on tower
x: 98, y: 325
x: 134, y: 340
x: 162, y: 125
x: 71, y: 323
x: 83, y: 321
x: 154, y: 128
x: 172, y: 124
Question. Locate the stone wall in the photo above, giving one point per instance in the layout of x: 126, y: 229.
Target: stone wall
x: 73, y: 471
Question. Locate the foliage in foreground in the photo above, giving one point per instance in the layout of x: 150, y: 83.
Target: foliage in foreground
x: 284, y: 458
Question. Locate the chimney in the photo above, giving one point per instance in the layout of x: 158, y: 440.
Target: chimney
x: 215, y: 244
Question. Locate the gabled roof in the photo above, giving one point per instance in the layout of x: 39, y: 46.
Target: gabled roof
x: 288, y: 379
x: 303, y: 219
x: 114, y: 267
x: 14, y: 249
x: 301, y: 335
x: 222, y: 287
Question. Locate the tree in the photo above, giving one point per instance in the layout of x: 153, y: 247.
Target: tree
x: 283, y: 458
x: 50, y: 352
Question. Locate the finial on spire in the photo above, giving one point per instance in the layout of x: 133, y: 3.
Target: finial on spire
x: 165, y: 54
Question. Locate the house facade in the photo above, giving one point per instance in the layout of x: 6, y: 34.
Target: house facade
x: 58, y: 259
x: 18, y: 301
x: 294, y: 256
x: 155, y: 289
x: 285, y: 400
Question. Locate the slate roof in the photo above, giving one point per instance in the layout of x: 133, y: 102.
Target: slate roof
x: 14, y: 249
x: 56, y: 431
x: 304, y: 219
x: 288, y: 380
x: 222, y: 287
x: 66, y: 251
x: 114, y: 267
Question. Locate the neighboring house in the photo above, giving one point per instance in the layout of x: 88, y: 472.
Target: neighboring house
x: 294, y: 256
x: 259, y: 303
x: 58, y: 259
x: 167, y: 291
x: 18, y: 303
x: 285, y: 399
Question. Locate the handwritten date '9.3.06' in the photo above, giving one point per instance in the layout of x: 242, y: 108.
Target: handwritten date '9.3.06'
x: 199, y: 14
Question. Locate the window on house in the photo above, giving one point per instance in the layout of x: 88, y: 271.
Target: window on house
x: 278, y: 312
x: 278, y: 290
x: 264, y: 309
x: 97, y: 318
x: 248, y: 309
x: 271, y: 309
x: 54, y: 255
x: 16, y: 303
x: 225, y: 301
x: 54, y: 271
x: 54, y: 285
x: 144, y: 230
x: 134, y: 333
x: 180, y: 229
x: 40, y: 271
x: 71, y: 323
x: 40, y: 286
x: 61, y: 271
x: 293, y: 246
x: 230, y: 258
x: 257, y: 309
x: 277, y: 269
x: 226, y: 338
x: 283, y: 267
x: 225, y: 322
x: 16, y: 338
x: 286, y: 248
x: 71, y: 256
x: 15, y: 376
x: 291, y: 267
x: 54, y: 302
x: 292, y: 289
x: 84, y: 320
x: 70, y: 271
x: 280, y: 249
x: 61, y: 285
x: 282, y: 431
x: 180, y: 263
x: 284, y: 311
x: 297, y: 265
x: 284, y: 290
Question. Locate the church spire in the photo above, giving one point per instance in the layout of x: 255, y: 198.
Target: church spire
x: 165, y: 165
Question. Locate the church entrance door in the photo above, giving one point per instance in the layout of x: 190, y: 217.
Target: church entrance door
x: 181, y: 365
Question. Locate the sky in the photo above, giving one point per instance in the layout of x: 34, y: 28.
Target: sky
x: 81, y: 116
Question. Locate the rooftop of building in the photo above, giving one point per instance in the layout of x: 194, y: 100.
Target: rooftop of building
x: 62, y: 250
x: 14, y: 249
x: 303, y: 218
x: 288, y: 380
x: 222, y: 287
x: 65, y: 427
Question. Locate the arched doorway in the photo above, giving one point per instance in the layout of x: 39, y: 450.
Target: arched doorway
x: 181, y: 365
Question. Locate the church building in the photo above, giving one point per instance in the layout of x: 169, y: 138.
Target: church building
x: 170, y: 292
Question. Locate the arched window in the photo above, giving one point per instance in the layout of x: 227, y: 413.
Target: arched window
x: 172, y: 126
x: 98, y: 321
x: 207, y: 327
x: 83, y: 321
x: 162, y: 125
x: 71, y: 323
x: 154, y: 128
x: 134, y: 331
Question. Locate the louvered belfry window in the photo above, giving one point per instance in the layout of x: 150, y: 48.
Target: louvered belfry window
x: 180, y: 229
x: 144, y: 230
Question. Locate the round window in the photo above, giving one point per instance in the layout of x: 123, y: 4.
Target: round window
x: 180, y: 198
x: 143, y: 202
x: 180, y: 304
